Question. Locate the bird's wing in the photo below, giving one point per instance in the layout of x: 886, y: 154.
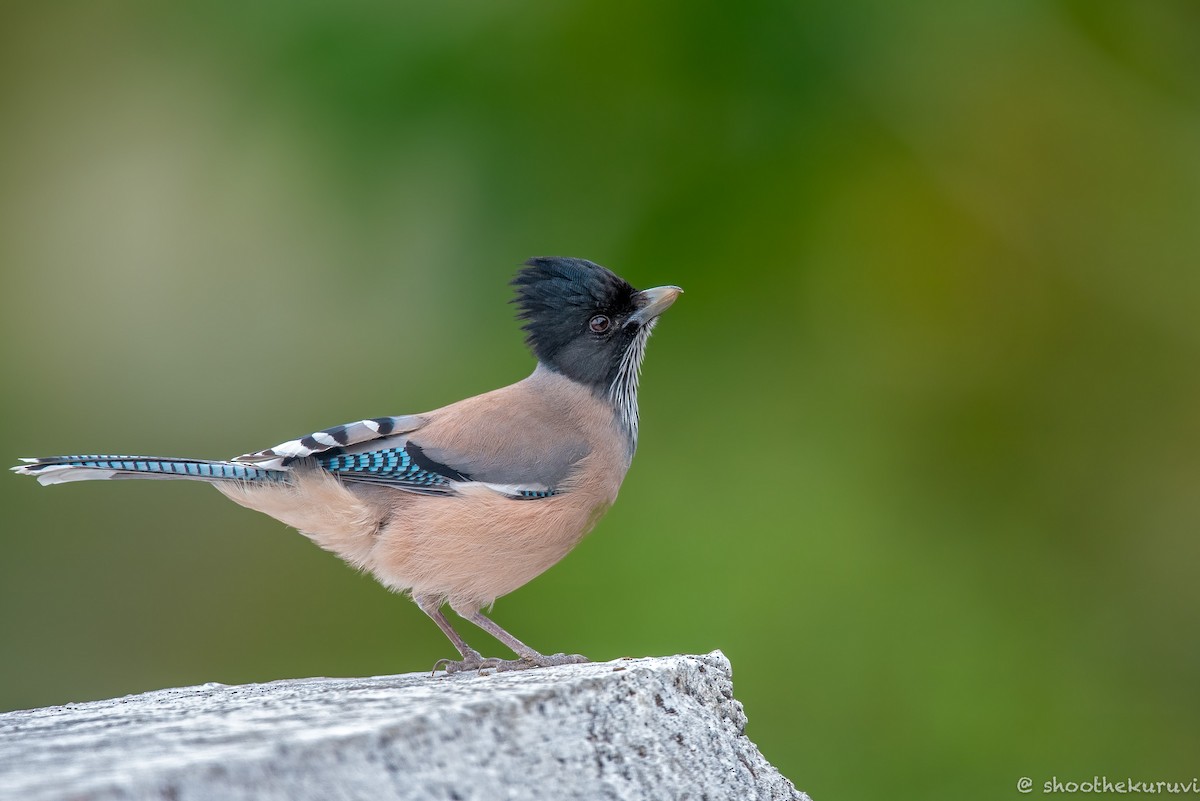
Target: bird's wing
x: 397, y: 462
x: 506, y: 456
x: 516, y: 445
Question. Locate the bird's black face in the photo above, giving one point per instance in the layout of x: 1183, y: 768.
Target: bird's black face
x: 583, y: 320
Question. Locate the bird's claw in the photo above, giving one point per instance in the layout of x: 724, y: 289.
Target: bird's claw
x: 540, y: 660
x: 472, y: 660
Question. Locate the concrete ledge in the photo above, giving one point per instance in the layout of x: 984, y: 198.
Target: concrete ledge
x: 631, y: 729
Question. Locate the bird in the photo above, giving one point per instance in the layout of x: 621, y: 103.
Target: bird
x: 463, y: 504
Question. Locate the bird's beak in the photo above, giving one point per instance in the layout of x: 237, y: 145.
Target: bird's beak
x: 653, y: 302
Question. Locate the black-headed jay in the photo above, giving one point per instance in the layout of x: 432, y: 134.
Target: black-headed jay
x: 468, y: 502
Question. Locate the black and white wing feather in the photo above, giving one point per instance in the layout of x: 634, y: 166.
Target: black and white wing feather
x: 328, y: 439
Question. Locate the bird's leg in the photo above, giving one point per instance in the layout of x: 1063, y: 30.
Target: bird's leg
x: 529, y: 657
x: 471, y: 659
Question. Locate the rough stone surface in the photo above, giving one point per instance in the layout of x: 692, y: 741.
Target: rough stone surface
x: 631, y: 729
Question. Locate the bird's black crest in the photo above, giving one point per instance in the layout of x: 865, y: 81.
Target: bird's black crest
x: 548, y: 284
x: 557, y: 297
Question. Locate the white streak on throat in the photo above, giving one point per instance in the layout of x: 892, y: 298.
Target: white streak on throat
x: 624, y: 389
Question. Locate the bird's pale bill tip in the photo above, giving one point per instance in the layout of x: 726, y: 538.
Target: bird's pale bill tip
x: 656, y: 301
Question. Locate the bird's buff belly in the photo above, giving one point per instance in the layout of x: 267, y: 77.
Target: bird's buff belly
x: 480, y: 545
x: 470, y: 548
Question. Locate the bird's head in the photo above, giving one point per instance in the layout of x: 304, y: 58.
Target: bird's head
x: 586, y: 322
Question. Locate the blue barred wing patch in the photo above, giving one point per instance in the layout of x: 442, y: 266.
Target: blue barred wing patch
x: 405, y: 467
x: 408, y: 467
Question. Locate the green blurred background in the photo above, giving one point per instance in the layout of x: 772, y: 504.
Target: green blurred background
x: 920, y: 443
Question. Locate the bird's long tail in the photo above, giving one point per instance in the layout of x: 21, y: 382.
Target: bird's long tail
x: 61, y: 469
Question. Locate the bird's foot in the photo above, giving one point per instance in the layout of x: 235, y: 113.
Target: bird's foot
x: 472, y: 660
x: 541, y: 660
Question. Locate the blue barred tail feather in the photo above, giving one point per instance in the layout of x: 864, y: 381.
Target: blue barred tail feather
x: 61, y: 469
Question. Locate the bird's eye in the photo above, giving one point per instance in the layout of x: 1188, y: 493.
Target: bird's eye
x: 599, y: 324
